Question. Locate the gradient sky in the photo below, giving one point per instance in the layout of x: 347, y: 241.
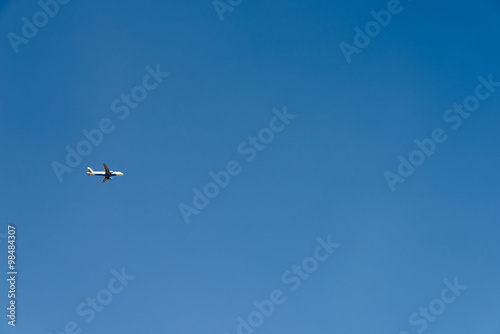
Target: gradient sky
x: 323, y: 175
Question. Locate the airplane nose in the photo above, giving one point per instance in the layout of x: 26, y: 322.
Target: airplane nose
x: 119, y: 174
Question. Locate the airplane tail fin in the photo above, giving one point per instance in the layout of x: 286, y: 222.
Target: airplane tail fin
x: 90, y: 171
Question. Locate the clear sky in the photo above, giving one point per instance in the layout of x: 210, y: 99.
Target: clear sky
x: 308, y: 118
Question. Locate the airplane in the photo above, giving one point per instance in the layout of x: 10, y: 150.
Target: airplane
x: 107, y: 173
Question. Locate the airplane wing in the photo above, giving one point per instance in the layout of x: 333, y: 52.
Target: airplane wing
x: 104, y: 180
x: 106, y: 168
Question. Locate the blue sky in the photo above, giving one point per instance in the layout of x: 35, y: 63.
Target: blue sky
x: 321, y: 177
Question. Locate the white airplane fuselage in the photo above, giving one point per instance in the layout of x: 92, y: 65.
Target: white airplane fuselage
x: 113, y: 173
x: 107, y: 174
